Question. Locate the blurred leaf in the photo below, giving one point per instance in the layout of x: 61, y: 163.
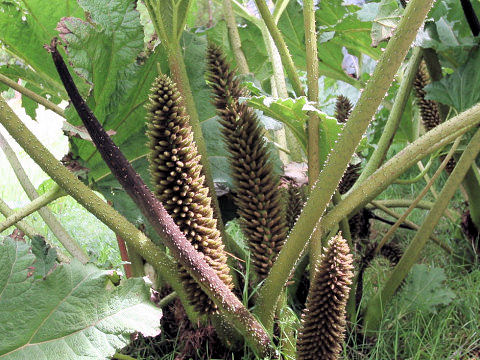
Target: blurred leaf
x: 425, y: 289
x: 386, y: 21
x: 73, y: 313
x: 460, y: 90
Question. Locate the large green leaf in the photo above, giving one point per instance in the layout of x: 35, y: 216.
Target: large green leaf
x: 25, y: 27
x: 294, y: 113
x: 460, y: 90
x: 75, y: 312
x: 385, y: 16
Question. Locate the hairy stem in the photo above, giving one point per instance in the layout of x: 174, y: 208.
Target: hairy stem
x: 281, y: 46
x: 32, y: 95
x: 234, y: 36
x: 312, y: 83
x: 339, y: 158
x: 33, y: 206
x: 23, y: 225
x: 55, y: 226
x: 376, y: 305
x: 394, y: 117
x: 181, y: 249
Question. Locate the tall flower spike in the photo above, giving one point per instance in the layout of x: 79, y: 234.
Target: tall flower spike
x: 429, y: 111
x: 428, y: 108
x: 176, y: 174
x: 323, y: 320
x: 257, y: 197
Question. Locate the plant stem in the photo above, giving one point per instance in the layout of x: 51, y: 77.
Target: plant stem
x: 419, y: 197
x: 32, y: 95
x: 23, y: 225
x: 281, y: 46
x: 180, y: 248
x: 375, y: 307
x: 394, y: 117
x: 57, y: 229
x: 393, y: 203
x: 33, y: 206
x: 119, y: 356
x: 167, y: 299
x: 339, y: 158
x: 235, y: 41
x: 312, y: 83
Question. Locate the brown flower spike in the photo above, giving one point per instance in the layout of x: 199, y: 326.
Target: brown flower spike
x: 257, y: 197
x: 323, y: 320
x: 179, y: 184
x: 343, y: 108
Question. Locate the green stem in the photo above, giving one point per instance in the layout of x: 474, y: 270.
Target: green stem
x: 33, y: 206
x: 119, y: 356
x: 167, y: 299
x: 235, y: 41
x: 394, y: 117
x: 312, y: 83
x: 281, y: 46
x: 339, y: 158
x: 375, y: 307
x: 28, y: 230
x: 393, y: 203
x: 23, y: 225
x: 417, y: 178
x: 32, y: 95
x: 57, y: 229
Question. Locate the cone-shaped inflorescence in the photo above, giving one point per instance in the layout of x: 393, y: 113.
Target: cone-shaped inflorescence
x: 349, y: 178
x: 428, y: 108
x: 343, y: 108
x: 256, y: 186
x: 179, y: 184
x: 323, y: 320
x: 295, y: 199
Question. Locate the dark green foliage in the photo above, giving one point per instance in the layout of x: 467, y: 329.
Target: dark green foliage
x: 323, y: 320
x: 179, y: 184
x: 343, y: 108
x: 257, y: 188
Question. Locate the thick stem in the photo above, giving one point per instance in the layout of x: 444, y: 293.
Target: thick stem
x: 375, y: 308
x: 281, y: 46
x: 394, y: 117
x: 312, y: 83
x: 33, y: 206
x: 181, y: 249
x: 32, y: 95
x: 471, y: 17
x: 340, y: 156
x: 235, y: 41
x: 55, y: 226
